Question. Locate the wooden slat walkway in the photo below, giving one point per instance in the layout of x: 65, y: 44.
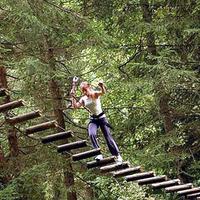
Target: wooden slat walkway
x: 106, y: 165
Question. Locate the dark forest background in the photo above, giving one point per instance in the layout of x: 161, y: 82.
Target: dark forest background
x: 147, y: 53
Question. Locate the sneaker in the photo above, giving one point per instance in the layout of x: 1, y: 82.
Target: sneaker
x: 99, y: 157
x: 119, y: 159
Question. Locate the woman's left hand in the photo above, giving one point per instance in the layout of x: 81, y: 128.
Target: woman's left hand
x: 100, y: 83
x: 75, y: 79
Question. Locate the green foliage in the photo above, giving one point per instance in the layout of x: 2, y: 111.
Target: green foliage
x: 29, y: 185
x: 149, y: 65
x: 9, y: 193
x: 118, y: 191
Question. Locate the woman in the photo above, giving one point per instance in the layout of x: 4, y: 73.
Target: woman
x: 91, y: 101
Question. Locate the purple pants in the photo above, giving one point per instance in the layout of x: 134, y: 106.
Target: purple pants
x: 103, y: 124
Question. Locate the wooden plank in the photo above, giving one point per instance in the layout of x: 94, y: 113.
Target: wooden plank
x: 166, y: 184
x: 138, y: 176
x: 11, y: 105
x: 86, y: 154
x: 100, y: 163
x: 56, y: 136
x: 72, y: 145
x: 188, y: 191
x: 178, y: 187
x: 151, y: 180
x: 114, y: 167
x: 24, y: 117
x: 126, y: 172
x: 194, y: 195
x: 40, y: 127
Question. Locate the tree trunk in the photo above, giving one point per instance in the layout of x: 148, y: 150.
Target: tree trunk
x: 150, y: 37
x: 2, y: 158
x: 166, y: 112
x: 85, y: 7
x: 151, y: 48
x: 163, y: 96
x: 90, y: 193
x: 1, y: 155
x: 2, y: 165
x: 57, y: 98
x: 12, y: 134
x: 58, y: 112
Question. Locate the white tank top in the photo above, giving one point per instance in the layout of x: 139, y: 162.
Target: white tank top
x: 93, y: 105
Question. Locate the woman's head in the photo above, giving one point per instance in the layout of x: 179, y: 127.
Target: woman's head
x: 85, y: 86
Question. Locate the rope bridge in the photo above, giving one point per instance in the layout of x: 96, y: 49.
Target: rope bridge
x: 107, y: 165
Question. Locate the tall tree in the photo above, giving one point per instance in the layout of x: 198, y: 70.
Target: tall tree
x: 12, y: 133
x: 57, y: 102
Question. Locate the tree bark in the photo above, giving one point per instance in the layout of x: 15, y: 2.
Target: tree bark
x: 163, y: 99
x: 165, y: 112
x: 12, y: 133
x: 150, y: 37
x: 11, y: 136
x: 57, y: 98
x: 163, y: 96
x: 1, y: 155
x: 85, y: 7
x: 58, y: 112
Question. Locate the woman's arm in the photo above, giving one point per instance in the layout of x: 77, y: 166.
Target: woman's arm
x: 75, y: 103
x: 103, y: 89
